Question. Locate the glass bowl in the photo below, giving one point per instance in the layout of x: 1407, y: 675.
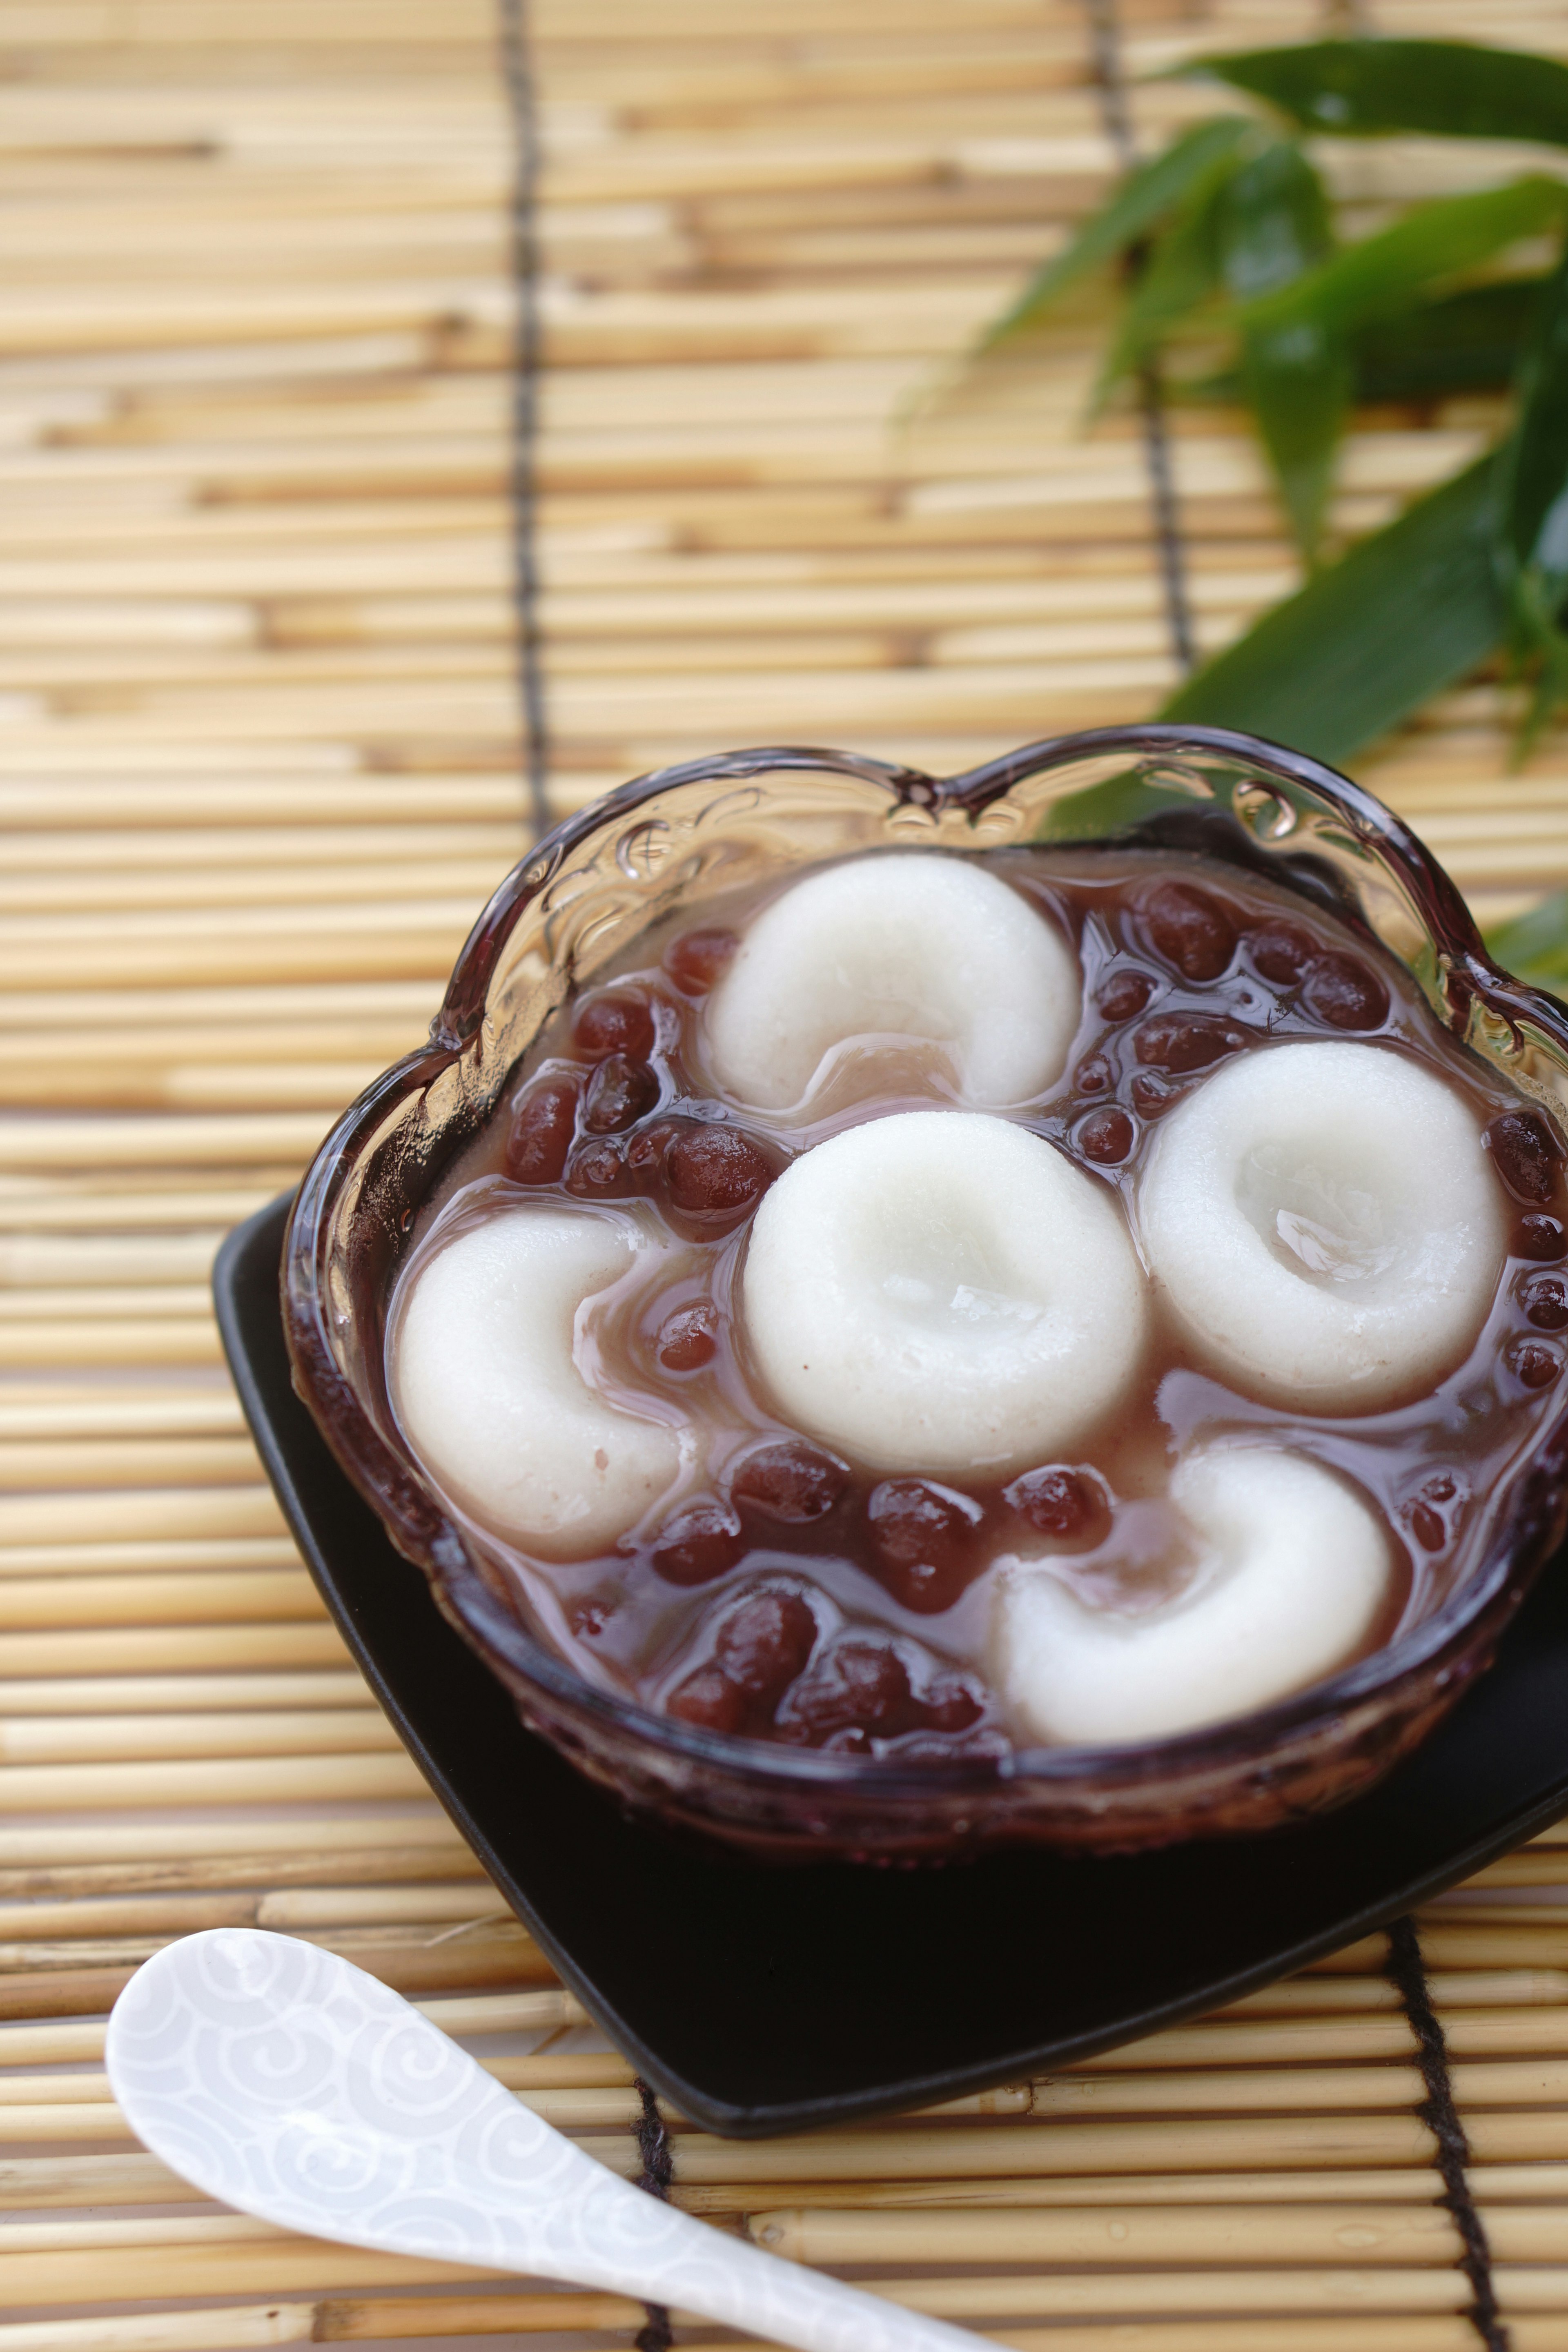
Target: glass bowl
x: 678, y: 838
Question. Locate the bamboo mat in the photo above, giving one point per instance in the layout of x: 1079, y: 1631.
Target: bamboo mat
x: 259, y: 764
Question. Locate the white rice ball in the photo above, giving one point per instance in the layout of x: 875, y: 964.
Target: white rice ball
x: 942, y: 1291
x: 1325, y: 1225
x: 902, y: 945
x: 1292, y: 1568
x: 487, y: 1387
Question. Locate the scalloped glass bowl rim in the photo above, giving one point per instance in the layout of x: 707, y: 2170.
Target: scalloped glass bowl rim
x: 358, y: 1442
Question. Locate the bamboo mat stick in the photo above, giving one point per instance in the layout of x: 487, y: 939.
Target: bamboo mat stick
x: 1204, y: 2143
x: 397, y: 1833
x: 44, y: 1407
x: 59, y: 1346
x: 99, y: 1303
x: 160, y: 1693
x: 336, y: 2321
x: 289, y: 1910
x: 177, y: 1516
x: 140, y: 1558
x: 1368, y: 2236
x: 188, y: 1597
x: 151, y: 1649
x: 72, y: 2178
x: 1396, y: 2186
x: 122, y: 2273
x: 125, y: 1462
x: 314, y: 1731
x: 469, y: 1961
x: 218, y: 1781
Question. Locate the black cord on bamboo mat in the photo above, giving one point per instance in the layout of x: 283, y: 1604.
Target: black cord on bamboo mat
x: 652, y: 2136
x: 1407, y: 1972
x: 517, y: 68
x: 1105, y: 36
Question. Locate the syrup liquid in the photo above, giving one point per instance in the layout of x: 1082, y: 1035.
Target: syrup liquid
x: 788, y: 1592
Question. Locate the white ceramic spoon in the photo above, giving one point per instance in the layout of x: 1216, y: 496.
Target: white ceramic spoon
x: 288, y: 2082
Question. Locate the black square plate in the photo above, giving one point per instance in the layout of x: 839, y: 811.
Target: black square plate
x: 763, y: 1999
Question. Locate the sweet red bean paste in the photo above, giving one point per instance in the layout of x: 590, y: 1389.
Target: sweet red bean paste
x: 789, y: 1593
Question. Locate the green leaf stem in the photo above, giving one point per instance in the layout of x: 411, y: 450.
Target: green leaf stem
x: 1408, y: 611
x: 1457, y: 89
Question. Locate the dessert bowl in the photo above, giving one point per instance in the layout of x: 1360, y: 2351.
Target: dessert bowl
x: 684, y: 838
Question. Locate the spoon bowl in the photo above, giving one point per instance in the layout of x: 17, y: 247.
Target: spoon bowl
x: 290, y: 2084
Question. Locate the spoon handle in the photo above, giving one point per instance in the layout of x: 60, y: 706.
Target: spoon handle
x: 688, y: 2265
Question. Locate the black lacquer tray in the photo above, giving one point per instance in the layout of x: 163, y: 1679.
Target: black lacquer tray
x: 769, y: 1999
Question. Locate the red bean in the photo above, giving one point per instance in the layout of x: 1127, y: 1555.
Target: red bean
x: 699, y: 1543
x: 920, y: 1542
x: 1429, y: 1512
x: 541, y: 1133
x: 616, y: 1023
x: 790, y: 1481
x: 1525, y: 1153
x: 1182, y: 1042
x: 1546, y: 1299
x: 695, y: 960
x: 1188, y: 929
x: 1094, y: 1077
x: 1070, y: 1504
x: 1536, y: 1366
x: 1281, y: 954
x: 1342, y: 991
x: 1426, y: 1526
x: 1545, y: 1239
x: 765, y: 1643
x: 710, y: 1699
x: 949, y: 1705
x: 1125, y: 995
x: 690, y: 1338
x: 597, y: 1171
x: 715, y: 1170
x: 860, y: 1686
x: 1150, y: 1093
x: 619, y: 1091
x: 645, y: 1151
x: 1106, y: 1137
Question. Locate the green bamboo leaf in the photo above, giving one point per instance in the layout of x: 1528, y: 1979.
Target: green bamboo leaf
x: 1297, y: 382
x: 1180, y: 274
x: 1142, y: 201
x: 1457, y: 89
x: 1272, y: 221
x: 1464, y: 342
x: 1534, y: 500
x: 1534, y: 945
x: 1532, y: 511
x: 1404, y: 614
x: 1389, y: 272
